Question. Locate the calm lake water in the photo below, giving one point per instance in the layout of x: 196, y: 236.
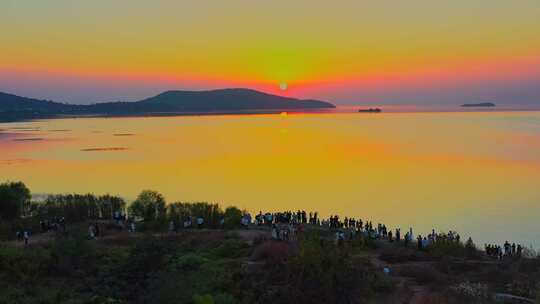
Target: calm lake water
x: 478, y: 173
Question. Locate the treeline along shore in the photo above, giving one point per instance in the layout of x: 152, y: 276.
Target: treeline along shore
x: 101, y: 249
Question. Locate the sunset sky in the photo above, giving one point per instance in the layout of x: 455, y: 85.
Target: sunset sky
x: 347, y: 52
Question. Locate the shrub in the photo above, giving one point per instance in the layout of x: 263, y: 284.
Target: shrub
x: 23, y: 267
x: 73, y: 256
x: 204, y: 299
x: 454, y: 249
x: 225, y: 298
x: 231, y: 248
x: 189, y: 261
x: 272, y: 252
x: 130, y: 277
x: 186, y: 271
x: 521, y: 288
x: 6, y: 232
x: 364, y: 242
x: 323, y: 272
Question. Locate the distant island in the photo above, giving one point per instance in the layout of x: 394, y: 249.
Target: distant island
x: 483, y: 104
x: 370, y: 110
x: 238, y: 100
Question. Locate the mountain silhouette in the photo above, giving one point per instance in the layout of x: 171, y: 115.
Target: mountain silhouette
x: 14, y: 103
x: 13, y: 107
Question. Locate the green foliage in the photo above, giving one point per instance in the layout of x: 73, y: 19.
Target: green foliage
x: 77, y: 207
x: 14, y: 197
x: 204, y: 299
x: 231, y: 248
x: 224, y: 298
x: 317, y: 271
x: 206, y: 266
x: 103, y: 300
x: 322, y: 272
x: 151, y: 270
x: 233, y: 217
x: 23, y: 267
x: 5, y: 230
x: 190, y: 262
x: 454, y: 249
x: 73, y: 255
x: 221, y: 298
x: 130, y: 277
x: 40, y: 294
x: 211, y: 213
x: 362, y: 242
x: 149, y: 206
x: 161, y: 270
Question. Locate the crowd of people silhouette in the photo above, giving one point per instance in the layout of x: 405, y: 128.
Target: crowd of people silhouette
x: 287, y: 225
x: 506, y: 250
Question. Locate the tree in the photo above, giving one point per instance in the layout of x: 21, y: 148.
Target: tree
x: 232, y: 217
x: 78, y: 207
x: 149, y: 205
x: 108, y: 205
x: 14, y: 196
x: 211, y: 213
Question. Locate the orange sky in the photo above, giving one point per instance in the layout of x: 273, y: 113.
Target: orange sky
x: 351, y: 52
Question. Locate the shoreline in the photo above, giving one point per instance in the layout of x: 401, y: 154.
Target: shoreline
x: 337, y: 110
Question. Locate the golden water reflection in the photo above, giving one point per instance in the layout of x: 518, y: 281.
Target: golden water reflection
x: 478, y: 173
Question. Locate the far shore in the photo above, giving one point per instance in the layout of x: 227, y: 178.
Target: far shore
x: 338, y: 110
x: 163, y: 114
